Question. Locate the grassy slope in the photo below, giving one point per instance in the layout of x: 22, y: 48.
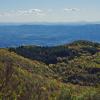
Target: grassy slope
x: 69, y: 77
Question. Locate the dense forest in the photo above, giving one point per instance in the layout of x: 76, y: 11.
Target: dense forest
x: 64, y: 72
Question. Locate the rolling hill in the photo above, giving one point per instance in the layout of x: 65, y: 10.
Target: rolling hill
x: 65, y: 72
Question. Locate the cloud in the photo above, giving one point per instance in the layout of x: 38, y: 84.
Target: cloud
x: 22, y: 12
x: 33, y: 12
x: 5, y: 14
x: 36, y: 11
x: 30, y: 11
x: 71, y: 9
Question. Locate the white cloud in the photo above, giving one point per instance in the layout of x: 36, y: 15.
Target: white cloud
x: 5, y: 14
x: 23, y: 12
x: 33, y: 12
x: 30, y: 11
x: 71, y: 9
x: 36, y: 12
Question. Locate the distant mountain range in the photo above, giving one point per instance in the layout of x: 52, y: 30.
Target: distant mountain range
x: 49, y: 23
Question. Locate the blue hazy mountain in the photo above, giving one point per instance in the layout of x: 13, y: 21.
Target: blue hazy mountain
x: 47, y: 35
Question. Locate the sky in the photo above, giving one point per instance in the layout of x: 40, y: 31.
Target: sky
x: 49, y: 10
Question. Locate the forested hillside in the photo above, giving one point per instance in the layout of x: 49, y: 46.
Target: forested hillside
x: 65, y: 72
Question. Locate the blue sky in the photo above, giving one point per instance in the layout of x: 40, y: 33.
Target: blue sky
x: 49, y: 10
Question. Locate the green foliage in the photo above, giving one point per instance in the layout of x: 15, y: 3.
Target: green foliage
x: 68, y: 72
